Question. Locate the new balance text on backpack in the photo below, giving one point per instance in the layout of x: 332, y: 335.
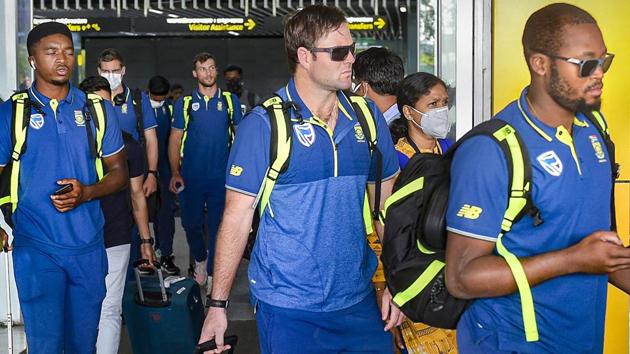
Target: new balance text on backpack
x: 22, y: 106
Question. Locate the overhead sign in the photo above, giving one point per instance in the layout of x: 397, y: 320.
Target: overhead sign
x: 90, y: 25
x: 366, y: 23
x: 214, y: 24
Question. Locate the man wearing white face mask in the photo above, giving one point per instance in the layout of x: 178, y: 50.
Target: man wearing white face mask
x: 377, y: 73
x: 164, y: 223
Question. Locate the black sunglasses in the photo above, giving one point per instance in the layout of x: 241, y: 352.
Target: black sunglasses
x: 588, y: 66
x: 337, y: 53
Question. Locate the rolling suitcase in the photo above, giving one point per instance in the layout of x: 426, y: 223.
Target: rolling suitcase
x: 160, y: 320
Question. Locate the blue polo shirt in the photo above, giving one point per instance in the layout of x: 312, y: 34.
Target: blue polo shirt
x: 127, y: 114
x: 56, y: 148
x: 571, y: 187
x: 163, y: 117
x: 206, y: 147
x: 312, y: 254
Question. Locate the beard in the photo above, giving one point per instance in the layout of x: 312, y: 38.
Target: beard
x: 207, y: 83
x: 62, y: 82
x: 561, y: 93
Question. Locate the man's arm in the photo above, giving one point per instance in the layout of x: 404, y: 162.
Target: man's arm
x: 473, y: 271
x: 621, y: 279
x: 4, y: 238
x: 174, y: 146
x: 231, y: 241
x: 150, y: 184
x: 115, y: 179
x: 386, y: 191
x: 141, y: 216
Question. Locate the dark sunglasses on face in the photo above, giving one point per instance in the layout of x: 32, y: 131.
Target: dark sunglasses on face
x: 588, y: 66
x: 336, y: 53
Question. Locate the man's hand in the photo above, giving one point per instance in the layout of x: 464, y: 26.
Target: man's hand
x: 600, y: 252
x: 4, y: 238
x: 175, y: 180
x: 215, y: 326
x: 147, y: 252
x: 150, y: 185
x: 390, y: 313
x: 68, y: 201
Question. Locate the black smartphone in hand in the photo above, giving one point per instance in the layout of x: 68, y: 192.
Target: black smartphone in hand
x: 210, y: 345
x: 63, y: 189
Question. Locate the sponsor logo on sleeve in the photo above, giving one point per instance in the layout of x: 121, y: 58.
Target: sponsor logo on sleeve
x: 469, y: 212
x: 236, y: 170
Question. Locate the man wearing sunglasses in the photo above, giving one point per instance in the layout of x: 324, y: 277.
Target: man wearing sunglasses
x: 569, y: 258
x: 311, y: 268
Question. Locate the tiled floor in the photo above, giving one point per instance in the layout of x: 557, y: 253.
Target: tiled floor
x: 240, y: 313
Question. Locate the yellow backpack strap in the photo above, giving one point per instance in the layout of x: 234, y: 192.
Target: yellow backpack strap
x: 518, y: 201
x: 368, y: 125
x: 21, y: 119
x: 279, y: 149
x: 187, y: 117
x: 96, y: 111
x: 230, y: 110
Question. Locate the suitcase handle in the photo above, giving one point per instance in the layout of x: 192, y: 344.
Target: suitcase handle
x: 158, y: 269
x: 211, y: 344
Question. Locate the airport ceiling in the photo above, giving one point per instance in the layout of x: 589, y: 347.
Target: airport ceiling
x: 216, y: 17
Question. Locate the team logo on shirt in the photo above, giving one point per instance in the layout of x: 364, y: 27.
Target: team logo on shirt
x: 123, y: 108
x: 469, y: 212
x: 550, y: 162
x: 219, y: 106
x: 305, y: 134
x: 78, y: 119
x: 358, y: 133
x: 195, y: 106
x: 163, y: 110
x: 37, y: 121
x: 597, y: 146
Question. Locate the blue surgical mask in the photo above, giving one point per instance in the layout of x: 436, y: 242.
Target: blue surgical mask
x: 434, y: 122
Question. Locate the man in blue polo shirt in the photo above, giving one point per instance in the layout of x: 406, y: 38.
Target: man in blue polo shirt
x: 58, y: 251
x: 311, y: 267
x: 569, y: 258
x: 198, y: 152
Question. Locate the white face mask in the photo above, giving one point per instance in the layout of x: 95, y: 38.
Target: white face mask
x: 357, y: 87
x: 115, y: 80
x: 434, y: 122
x: 156, y: 104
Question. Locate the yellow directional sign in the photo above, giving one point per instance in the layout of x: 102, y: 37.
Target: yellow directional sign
x: 366, y: 23
x: 379, y: 23
x: 250, y: 24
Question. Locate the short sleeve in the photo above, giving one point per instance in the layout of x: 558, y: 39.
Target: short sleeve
x: 178, y: 115
x: 479, y: 189
x: 385, y: 146
x: 135, y: 157
x: 238, y: 114
x: 6, y: 114
x: 112, y: 139
x: 249, y: 156
x: 148, y: 115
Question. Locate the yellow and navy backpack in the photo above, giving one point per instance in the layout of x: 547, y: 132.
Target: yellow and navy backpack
x: 280, y: 151
x: 414, y: 243
x: 22, y: 106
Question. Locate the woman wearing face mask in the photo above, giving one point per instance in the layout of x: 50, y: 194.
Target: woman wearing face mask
x: 423, y: 125
x: 422, y: 128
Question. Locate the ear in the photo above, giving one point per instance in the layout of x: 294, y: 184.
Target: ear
x: 407, y: 113
x: 304, y: 57
x: 31, y: 62
x: 539, y: 64
x: 194, y: 74
x: 123, y: 71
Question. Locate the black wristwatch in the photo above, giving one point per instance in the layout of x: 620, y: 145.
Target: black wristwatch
x: 218, y: 303
x: 147, y: 240
x: 153, y: 172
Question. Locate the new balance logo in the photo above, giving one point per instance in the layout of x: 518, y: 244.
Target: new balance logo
x: 469, y: 212
x: 236, y: 170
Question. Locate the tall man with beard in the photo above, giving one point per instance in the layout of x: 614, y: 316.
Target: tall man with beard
x: 58, y: 251
x: 569, y: 258
x: 198, y: 149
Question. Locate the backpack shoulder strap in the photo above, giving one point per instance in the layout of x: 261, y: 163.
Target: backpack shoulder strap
x: 279, y: 146
x: 519, y: 204
x: 137, y: 107
x: 367, y: 121
x: 19, y: 124
x: 96, y: 113
x: 230, y: 110
x: 597, y: 119
x: 187, y: 112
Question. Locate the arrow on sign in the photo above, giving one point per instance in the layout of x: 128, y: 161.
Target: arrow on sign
x: 379, y: 23
x: 250, y: 24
